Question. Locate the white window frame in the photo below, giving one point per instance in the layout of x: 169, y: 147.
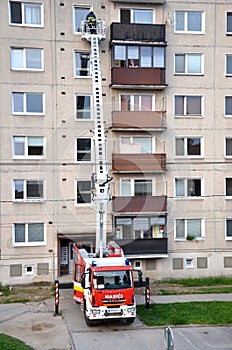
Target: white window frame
x: 87, y: 70
x: 91, y: 107
x: 187, y: 55
x: 25, y: 112
x: 227, y: 115
x: 226, y: 21
x: 132, y: 186
x: 227, y: 138
x: 189, y: 263
x: 23, y: 24
x: 185, y: 179
x: 185, y: 115
x: 27, y: 243
x: 132, y: 10
x: 91, y: 150
x: 74, y: 19
x: 26, y: 145
x: 186, y: 31
x: 132, y: 139
x: 24, y: 63
x: 226, y: 57
x: 202, y: 237
x: 186, y: 155
x: 139, y: 262
x: 75, y: 191
x: 227, y: 238
x: 132, y: 103
x: 25, y: 197
x: 29, y: 272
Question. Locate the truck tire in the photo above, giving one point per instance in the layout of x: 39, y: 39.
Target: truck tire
x: 89, y: 322
x: 130, y: 320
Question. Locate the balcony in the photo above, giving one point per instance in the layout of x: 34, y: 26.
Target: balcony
x: 144, y: 247
x: 139, y: 204
x: 138, y: 121
x: 154, y: 33
x: 138, y: 163
x: 134, y: 78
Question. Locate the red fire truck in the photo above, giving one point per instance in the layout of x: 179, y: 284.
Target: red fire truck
x: 105, y: 285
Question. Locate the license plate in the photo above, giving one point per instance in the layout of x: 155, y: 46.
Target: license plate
x: 113, y: 311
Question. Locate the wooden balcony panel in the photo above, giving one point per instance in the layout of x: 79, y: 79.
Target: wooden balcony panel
x: 136, y: 120
x: 146, y: 246
x: 154, y: 33
x: 139, y: 204
x: 139, y: 77
x: 139, y: 163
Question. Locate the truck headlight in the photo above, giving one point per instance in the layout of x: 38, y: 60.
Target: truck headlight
x: 131, y: 309
x: 95, y: 311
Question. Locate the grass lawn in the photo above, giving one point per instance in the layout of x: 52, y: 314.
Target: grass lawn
x: 9, y: 343
x: 203, y: 313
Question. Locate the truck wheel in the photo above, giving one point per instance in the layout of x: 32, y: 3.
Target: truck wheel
x: 89, y: 322
x: 130, y: 320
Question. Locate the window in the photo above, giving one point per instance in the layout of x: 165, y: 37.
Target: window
x: 132, y: 187
x: 189, y: 263
x: 80, y: 14
x: 83, y: 192
x: 27, y: 103
x: 137, y: 102
x: 188, y: 187
x: 136, y: 145
x: 139, y: 227
x: 28, y: 146
x: 28, y: 234
x: 82, y: 64
x: 83, y: 107
x: 189, y: 146
x: 229, y: 64
x: 83, y: 149
x: 228, y: 146
x: 228, y: 182
x: 188, y: 105
x: 229, y: 22
x: 143, y: 56
x: 228, y: 106
x: 189, y: 22
x: 189, y: 229
x: 229, y: 229
x: 26, y: 13
x: 28, y: 190
x: 136, y: 16
x: 26, y: 59
x: 189, y: 64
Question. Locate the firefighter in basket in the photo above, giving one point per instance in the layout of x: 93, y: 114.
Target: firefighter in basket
x: 91, y: 22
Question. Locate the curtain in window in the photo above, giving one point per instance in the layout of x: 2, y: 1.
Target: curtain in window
x: 143, y: 16
x: 125, y: 103
x: 35, y: 141
x: 19, y: 145
x: 32, y: 13
x: 180, y: 147
x: 35, y: 232
x: 146, y: 55
x: 194, y: 227
x: 34, y: 103
x: 180, y: 229
x: 194, y: 105
x: 194, y: 21
x: 120, y: 52
x: 16, y: 58
x: 179, y: 20
x: 158, y: 57
x: 125, y: 187
x: 141, y: 224
x: 179, y: 63
x: 145, y: 143
x: 34, y: 189
x: 194, y: 64
x: 18, y: 102
x: 146, y: 103
x: 133, y: 52
x: 33, y: 58
x: 180, y: 187
x: 179, y: 105
x: 19, y: 233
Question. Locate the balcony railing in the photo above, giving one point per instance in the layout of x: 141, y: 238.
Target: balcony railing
x: 139, y: 204
x: 134, y: 78
x: 146, y: 246
x: 138, y: 163
x: 138, y: 121
x: 154, y: 33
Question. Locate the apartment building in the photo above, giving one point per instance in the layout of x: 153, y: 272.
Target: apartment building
x: 167, y: 105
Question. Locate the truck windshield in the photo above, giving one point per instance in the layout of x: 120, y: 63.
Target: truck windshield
x: 112, y: 279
